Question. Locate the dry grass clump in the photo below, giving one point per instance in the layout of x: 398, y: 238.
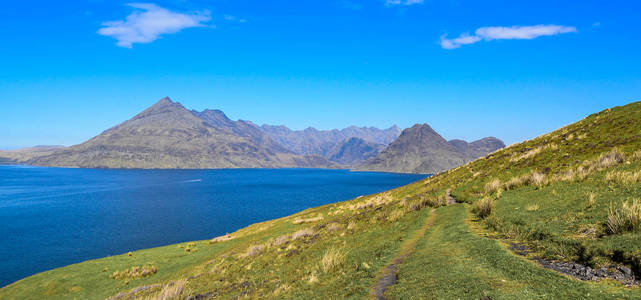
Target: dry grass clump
x: 135, y: 272
x: 535, y: 178
x: 425, y: 201
x: 623, y: 177
x: 626, y: 218
x: 395, y: 215
x: 351, y: 225
x: 532, y: 207
x: 303, y: 233
x: 483, y: 207
x: 376, y: 200
x: 221, y: 238
x: 591, y: 199
x: 281, y: 240
x: 173, y: 290
x: 533, y: 152
x: 332, y: 258
x: 191, y: 247
x: 313, y: 278
x: 308, y: 220
x: 334, y: 226
x: 254, y: 250
x: 516, y: 181
x: 494, y: 186
x: 364, y: 205
x: 636, y: 155
x: 572, y: 175
x: 604, y: 161
x: 608, y: 159
x: 382, y: 198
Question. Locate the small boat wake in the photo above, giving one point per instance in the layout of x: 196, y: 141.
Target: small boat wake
x: 193, y: 180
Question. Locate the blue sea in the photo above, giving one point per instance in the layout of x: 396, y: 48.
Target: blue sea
x: 52, y: 217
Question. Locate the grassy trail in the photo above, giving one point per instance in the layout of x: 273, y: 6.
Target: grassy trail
x: 452, y: 262
x: 388, y: 275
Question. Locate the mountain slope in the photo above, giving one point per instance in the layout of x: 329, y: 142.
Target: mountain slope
x: 554, y: 200
x: 354, y: 150
x: 420, y: 149
x: 166, y: 135
x: 321, y: 142
x: 24, y: 154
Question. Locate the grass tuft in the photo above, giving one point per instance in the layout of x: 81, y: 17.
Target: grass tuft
x: 308, y: 220
x: 135, y: 272
x: 623, y: 177
x: 537, y: 179
x: 334, y: 227
x: 222, y: 238
x: 173, y: 290
x: 626, y: 218
x: 307, y: 232
x: 591, y: 199
x: 483, y: 207
x: 331, y: 259
x: 493, y: 187
x: 254, y: 250
x: 532, y: 207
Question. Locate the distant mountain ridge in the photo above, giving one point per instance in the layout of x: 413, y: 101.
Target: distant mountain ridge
x: 166, y: 135
x: 420, y: 149
x: 354, y: 150
x: 322, y: 142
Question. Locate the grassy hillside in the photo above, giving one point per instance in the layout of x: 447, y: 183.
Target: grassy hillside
x: 571, y: 195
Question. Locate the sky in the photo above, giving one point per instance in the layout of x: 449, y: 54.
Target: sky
x: 510, y: 69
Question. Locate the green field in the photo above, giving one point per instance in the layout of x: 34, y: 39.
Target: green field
x: 571, y: 195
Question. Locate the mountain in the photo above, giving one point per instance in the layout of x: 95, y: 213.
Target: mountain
x: 166, y: 135
x: 420, y: 149
x: 353, y: 150
x: 554, y: 217
x: 322, y: 142
x: 24, y: 154
x: 478, y: 148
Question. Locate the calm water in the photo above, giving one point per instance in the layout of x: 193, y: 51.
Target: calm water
x: 52, y: 217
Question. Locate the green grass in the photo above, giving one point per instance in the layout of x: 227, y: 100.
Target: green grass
x: 455, y: 263
x: 552, y: 193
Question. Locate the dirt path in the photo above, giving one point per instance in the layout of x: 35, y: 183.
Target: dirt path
x: 450, y: 199
x: 388, y: 276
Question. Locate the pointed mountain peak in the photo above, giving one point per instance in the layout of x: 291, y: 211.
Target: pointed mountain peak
x: 420, y: 128
x: 165, y: 100
x: 165, y: 105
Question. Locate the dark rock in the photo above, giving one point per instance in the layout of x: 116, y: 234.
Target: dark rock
x: 625, y: 270
x: 622, y: 274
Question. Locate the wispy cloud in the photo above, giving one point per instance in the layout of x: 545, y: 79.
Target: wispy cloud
x: 504, y: 33
x: 148, y: 22
x: 402, y: 2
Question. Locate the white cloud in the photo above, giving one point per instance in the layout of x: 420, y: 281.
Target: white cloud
x: 402, y: 2
x: 148, y: 22
x: 504, y: 33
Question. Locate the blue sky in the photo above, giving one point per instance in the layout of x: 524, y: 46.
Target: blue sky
x: 511, y: 69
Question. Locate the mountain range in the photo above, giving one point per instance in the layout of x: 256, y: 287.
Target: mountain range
x: 167, y: 135
x: 420, y: 149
